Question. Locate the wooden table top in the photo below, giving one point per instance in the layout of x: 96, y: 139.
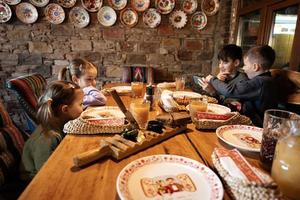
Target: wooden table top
x: 59, y: 179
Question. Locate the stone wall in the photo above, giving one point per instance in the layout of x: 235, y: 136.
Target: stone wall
x: 45, y: 48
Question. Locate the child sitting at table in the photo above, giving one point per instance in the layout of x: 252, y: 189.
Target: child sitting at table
x: 260, y: 92
x: 61, y: 102
x: 84, y: 74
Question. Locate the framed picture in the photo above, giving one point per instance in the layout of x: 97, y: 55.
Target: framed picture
x: 138, y: 74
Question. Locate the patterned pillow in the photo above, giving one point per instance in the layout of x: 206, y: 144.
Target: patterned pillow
x: 11, y: 146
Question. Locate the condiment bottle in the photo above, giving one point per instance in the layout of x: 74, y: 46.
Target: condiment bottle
x: 149, y: 95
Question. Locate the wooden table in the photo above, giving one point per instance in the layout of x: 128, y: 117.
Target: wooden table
x: 59, y: 179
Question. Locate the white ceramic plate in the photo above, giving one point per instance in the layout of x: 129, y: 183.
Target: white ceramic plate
x: 165, y: 6
x: 117, y: 4
x: 39, y: 3
x: 12, y: 2
x: 54, y: 13
x: 216, y: 108
x: 129, y: 17
x: 26, y: 13
x: 140, y: 5
x: 66, y: 3
x: 122, y: 89
x: 79, y: 17
x: 5, y: 12
x: 199, y: 20
x: 189, y: 6
x: 185, y: 94
x: 168, y: 177
x: 151, y: 18
x: 210, y: 7
x: 178, y: 19
x: 247, y: 138
x: 107, y: 16
x: 92, y: 5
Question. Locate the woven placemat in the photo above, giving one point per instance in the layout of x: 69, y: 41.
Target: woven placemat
x: 82, y: 126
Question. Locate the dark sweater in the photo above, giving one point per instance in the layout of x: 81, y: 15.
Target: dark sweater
x: 257, y: 95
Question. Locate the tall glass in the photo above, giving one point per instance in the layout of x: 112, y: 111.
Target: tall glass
x: 197, y: 106
x: 137, y: 89
x: 140, y: 111
x: 180, y: 83
x: 277, y: 124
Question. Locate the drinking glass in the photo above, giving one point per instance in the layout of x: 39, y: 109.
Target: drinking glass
x: 140, y: 111
x: 180, y: 83
x: 277, y: 124
x: 197, y: 106
x: 137, y: 89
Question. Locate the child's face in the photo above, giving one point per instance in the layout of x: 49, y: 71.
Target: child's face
x: 75, y: 109
x: 88, y: 79
x: 228, y: 66
x: 249, y: 68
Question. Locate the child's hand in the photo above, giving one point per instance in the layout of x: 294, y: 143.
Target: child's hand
x: 206, y: 86
x: 222, y: 76
x: 208, y: 78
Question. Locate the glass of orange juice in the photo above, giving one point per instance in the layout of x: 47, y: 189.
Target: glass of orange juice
x: 137, y: 89
x: 180, y: 83
x: 140, y: 111
x: 197, y: 106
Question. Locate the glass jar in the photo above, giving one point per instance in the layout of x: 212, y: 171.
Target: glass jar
x: 277, y: 124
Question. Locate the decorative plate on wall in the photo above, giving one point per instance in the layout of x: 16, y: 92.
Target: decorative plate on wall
x: 39, y: 3
x: 164, y: 6
x: 5, y: 12
x: 92, y: 5
x: 54, y: 13
x: 178, y: 19
x: 151, y: 18
x: 129, y: 17
x: 66, y: 3
x: 199, y: 20
x: 79, y: 17
x: 26, y: 13
x: 107, y: 16
x: 210, y: 7
x: 189, y: 6
x: 140, y: 5
x: 117, y: 4
x: 12, y: 2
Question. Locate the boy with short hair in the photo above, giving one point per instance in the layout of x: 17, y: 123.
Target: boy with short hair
x: 260, y: 92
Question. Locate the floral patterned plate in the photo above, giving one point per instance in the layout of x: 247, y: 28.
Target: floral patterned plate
x: 39, y: 3
x: 92, y: 5
x: 178, y: 19
x: 164, y: 6
x: 117, y: 4
x: 12, y: 2
x: 199, y: 20
x: 210, y: 7
x: 54, y: 13
x: 189, y: 6
x: 140, y: 5
x: 168, y: 177
x: 247, y: 138
x: 26, y: 13
x: 129, y: 17
x: 66, y: 3
x: 107, y: 16
x: 5, y: 12
x: 79, y: 17
x: 151, y: 18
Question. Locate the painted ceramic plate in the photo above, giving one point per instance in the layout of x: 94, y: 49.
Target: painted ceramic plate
x: 79, y: 17
x: 54, y: 13
x: 178, y: 19
x: 243, y: 137
x: 164, y: 6
x: 92, y: 5
x: 107, y: 16
x: 117, y: 4
x: 5, y: 12
x: 129, y: 17
x: 216, y: 108
x: 26, y: 13
x: 66, y: 3
x: 210, y: 7
x: 12, y: 2
x: 199, y: 20
x: 140, y: 5
x: 39, y: 3
x: 104, y: 115
x: 186, y: 94
x: 122, y: 89
x: 189, y: 6
x: 151, y: 18
x: 168, y: 177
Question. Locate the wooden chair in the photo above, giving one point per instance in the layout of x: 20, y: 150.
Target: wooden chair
x: 28, y: 89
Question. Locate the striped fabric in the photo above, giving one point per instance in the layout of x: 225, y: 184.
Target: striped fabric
x: 28, y: 89
x: 11, y: 146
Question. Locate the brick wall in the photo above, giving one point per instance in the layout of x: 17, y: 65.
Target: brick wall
x: 46, y: 48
